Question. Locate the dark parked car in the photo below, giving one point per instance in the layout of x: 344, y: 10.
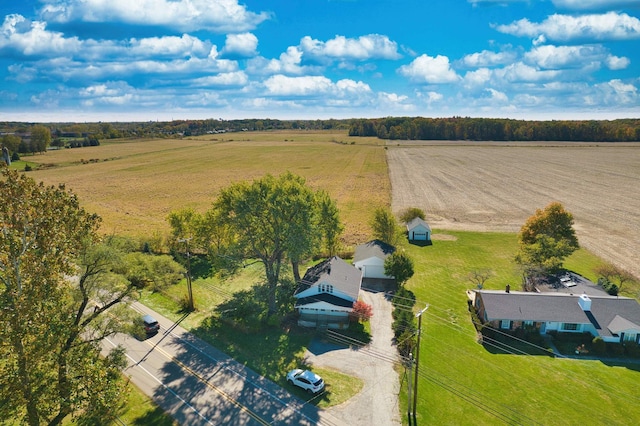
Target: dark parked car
x: 151, y: 326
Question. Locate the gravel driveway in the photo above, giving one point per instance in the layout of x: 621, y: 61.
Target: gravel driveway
x: 377, y: 403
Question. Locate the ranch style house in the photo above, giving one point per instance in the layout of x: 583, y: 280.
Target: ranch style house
x: 614, y: 319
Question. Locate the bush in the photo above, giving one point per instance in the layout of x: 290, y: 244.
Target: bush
x: 15, y: 157
x: 410, y: 213
x: 27, y: 168
x: 405, y: 342
x: 608, y: 286
x: 404, y: 327
x: 361, y: 311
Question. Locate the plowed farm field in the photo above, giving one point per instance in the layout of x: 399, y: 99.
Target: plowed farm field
x: 497, y: 186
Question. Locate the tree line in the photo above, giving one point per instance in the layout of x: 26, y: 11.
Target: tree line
x: 394, y: 128
x: 489, y: 129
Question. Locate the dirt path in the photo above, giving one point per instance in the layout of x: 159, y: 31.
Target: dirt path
x: 377, y: 403
x: 496, y: 187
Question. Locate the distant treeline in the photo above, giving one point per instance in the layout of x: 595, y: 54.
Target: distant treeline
x: 489, y: 129
x: 455, y: 128
x: 169, y: 129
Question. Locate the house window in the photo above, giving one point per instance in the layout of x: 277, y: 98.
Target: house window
x: 569, y: 327
x: 528, y: 323
x: 505, y: 324
x: 326, y: 288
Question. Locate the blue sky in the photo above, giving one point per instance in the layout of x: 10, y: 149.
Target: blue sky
x: 132, y: 60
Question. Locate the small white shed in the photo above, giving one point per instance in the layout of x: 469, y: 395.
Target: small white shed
x: 418, y: 230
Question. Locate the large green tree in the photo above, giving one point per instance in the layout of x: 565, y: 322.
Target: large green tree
x: 40, y: 138
x: 385, y: 226
x: 56, y: 284
x: 546, y: 239
x: 275, y: 220
x: 400, y: 266
x: 12, y: 142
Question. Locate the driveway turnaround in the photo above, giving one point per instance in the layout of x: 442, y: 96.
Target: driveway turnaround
x: 375, y: 364
x: 199, y: 385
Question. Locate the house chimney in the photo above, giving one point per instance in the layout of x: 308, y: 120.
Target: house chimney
x: 508, y: 288
x: 584, y: 302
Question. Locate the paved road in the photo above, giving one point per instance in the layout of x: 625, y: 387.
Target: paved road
x: 199, y: 385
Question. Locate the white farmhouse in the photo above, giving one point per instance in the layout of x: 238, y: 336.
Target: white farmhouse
x: 327, y: 293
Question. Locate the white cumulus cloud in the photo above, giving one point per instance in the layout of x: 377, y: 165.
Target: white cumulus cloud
x: 607, y: 26
x: 297, y: 86
x: 594, y: 4
x: 487, y: 58
x: 32, y: 38
x: 362, y: 48
x: 617, y: 63
x: 169, y: 46
x: 244, y: 44
x: 235, y: 78
x: 427, y: 69
x: 477, y: 77
x: 555, y: 57
x: 185, y: 15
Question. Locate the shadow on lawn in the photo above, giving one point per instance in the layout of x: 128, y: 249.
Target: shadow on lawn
x: 248, y: 347
x: 270, y: 346
x: 630, y: 364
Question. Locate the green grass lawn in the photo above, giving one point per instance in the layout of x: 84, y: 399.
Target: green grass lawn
x: 271, y: 351
x: 461, y: 382
x: 141, y: 410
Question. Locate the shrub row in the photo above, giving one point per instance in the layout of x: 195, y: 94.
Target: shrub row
x: 608, y: 286
x: 404, y: 326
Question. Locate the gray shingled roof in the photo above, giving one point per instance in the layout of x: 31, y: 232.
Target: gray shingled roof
x: 608, y: 314
x: 335, y: 271
x: 417, y: 221
x: 374, y: 248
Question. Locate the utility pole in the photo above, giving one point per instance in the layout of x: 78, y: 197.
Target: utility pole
x: 189, y: 291
x: 415, y: 383
x: 409, y: 387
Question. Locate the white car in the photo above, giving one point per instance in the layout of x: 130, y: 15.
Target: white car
x: 305, y: 379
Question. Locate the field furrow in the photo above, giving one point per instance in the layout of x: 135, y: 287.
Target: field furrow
x: 495, y: 187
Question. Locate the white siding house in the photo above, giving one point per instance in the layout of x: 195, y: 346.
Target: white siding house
x: 370, y: 257
x: 614, y: 319
x: 327, y: 293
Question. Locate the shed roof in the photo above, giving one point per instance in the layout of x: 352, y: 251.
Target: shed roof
x: 416, y: 221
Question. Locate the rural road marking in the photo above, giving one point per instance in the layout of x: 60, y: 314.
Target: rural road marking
x: 243, y: 377
x: 136, y: 364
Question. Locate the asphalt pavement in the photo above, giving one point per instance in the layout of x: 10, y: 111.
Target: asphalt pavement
x: 199, y: 385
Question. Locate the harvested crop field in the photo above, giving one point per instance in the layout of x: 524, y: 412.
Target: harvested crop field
x: 497, y: 186
x: 134, y: 184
